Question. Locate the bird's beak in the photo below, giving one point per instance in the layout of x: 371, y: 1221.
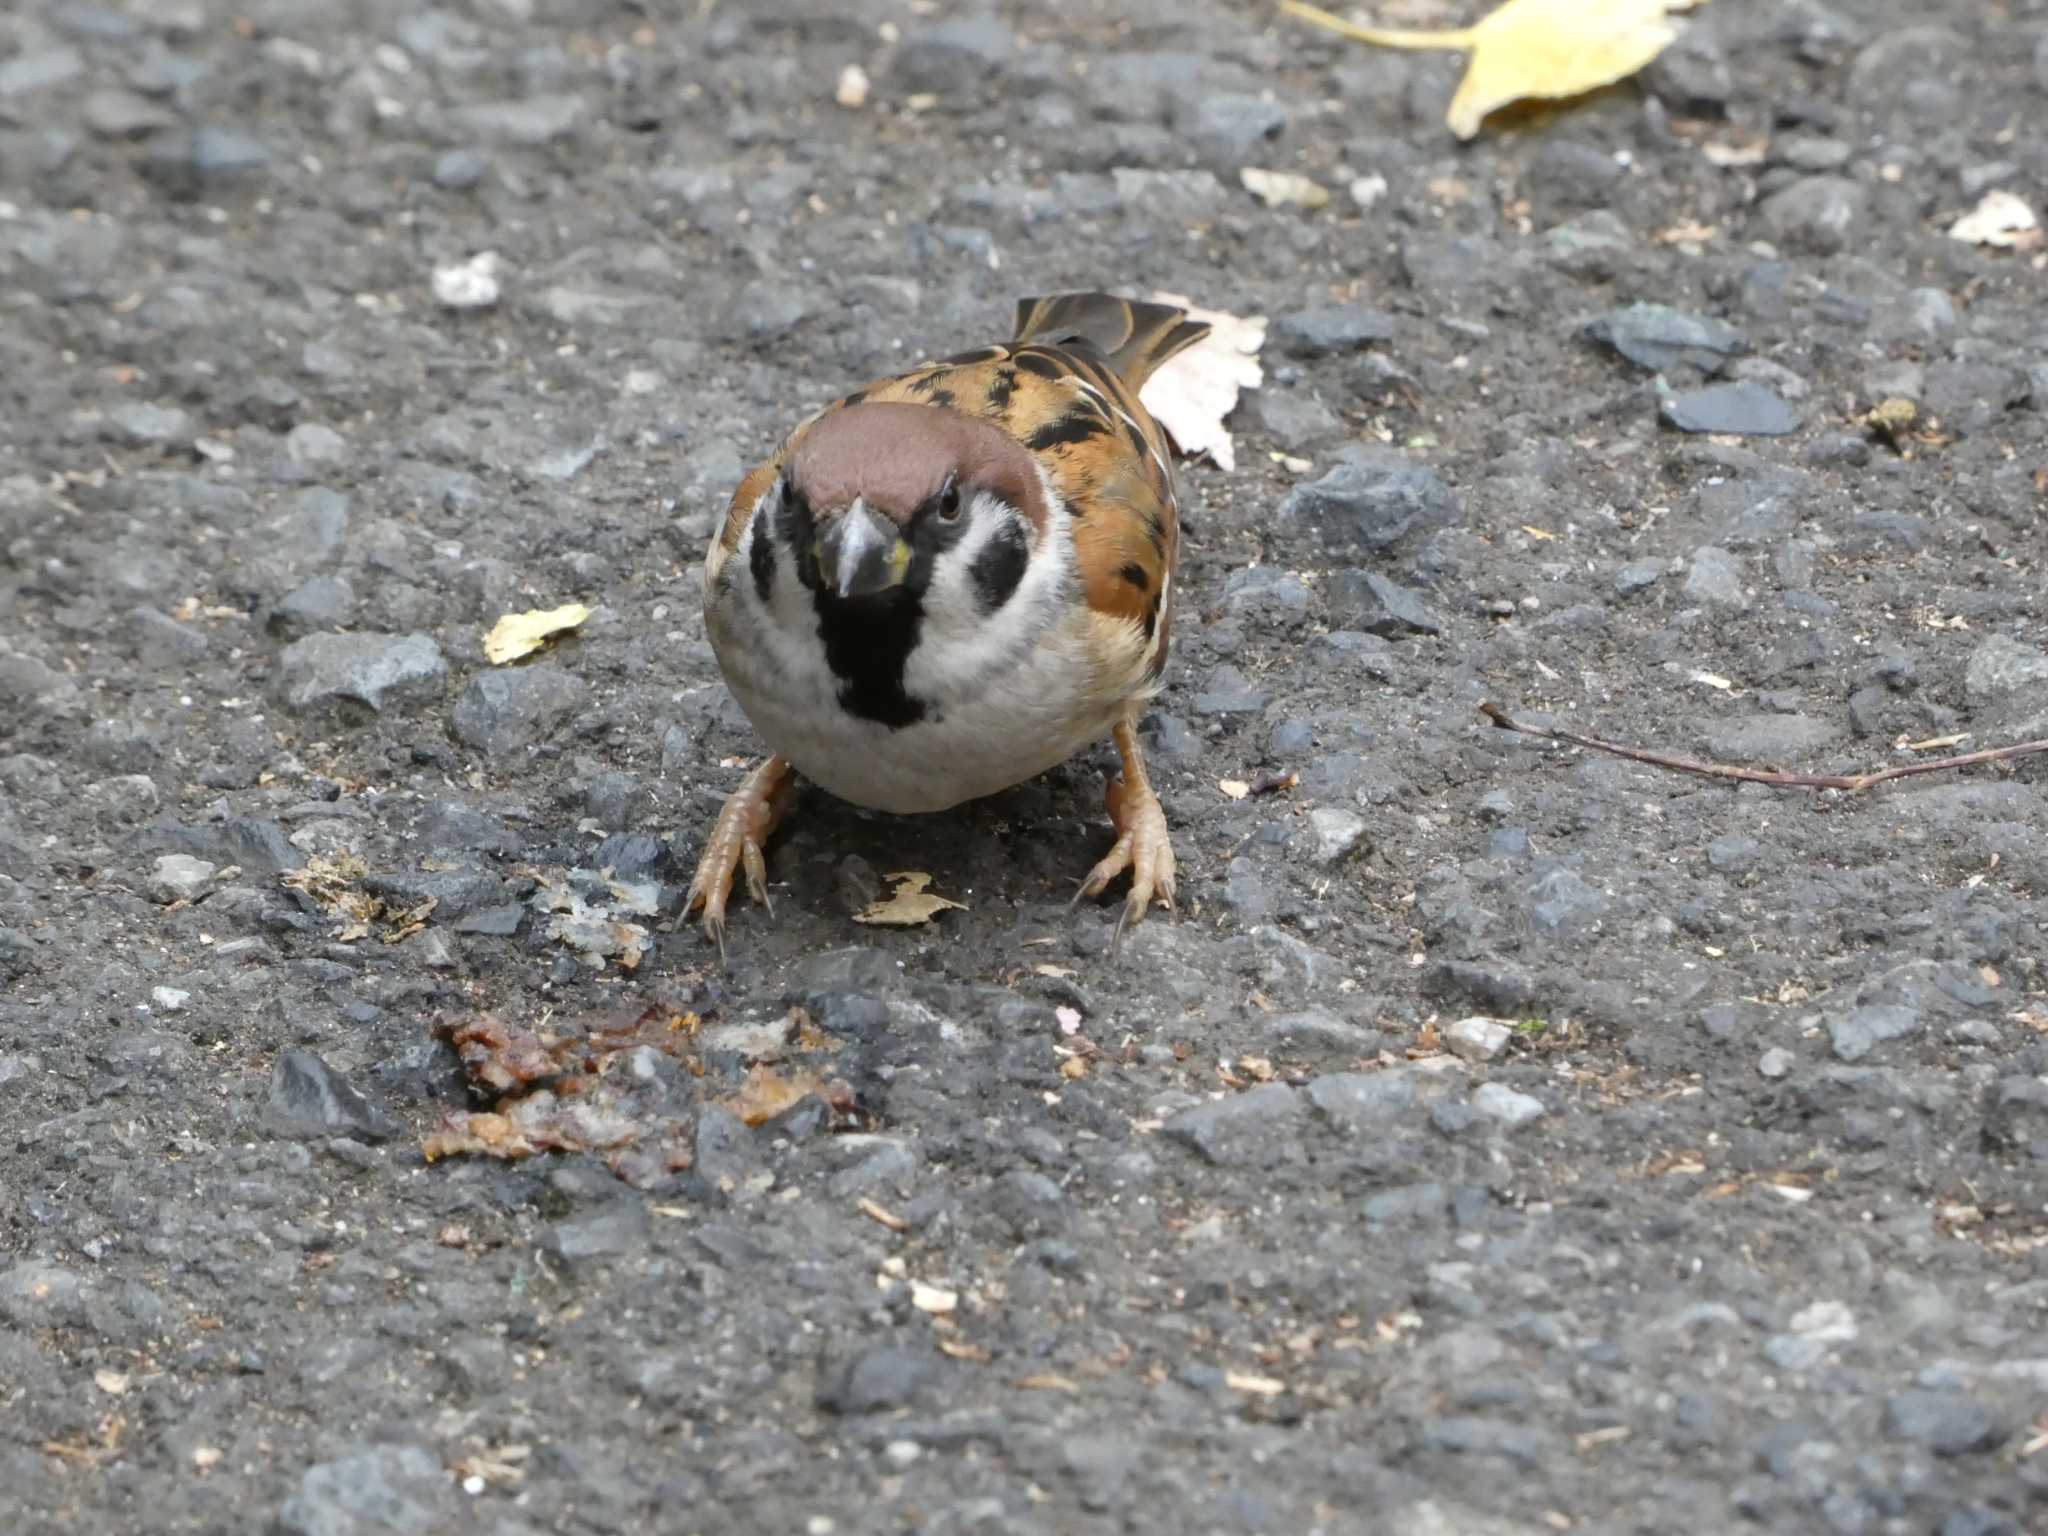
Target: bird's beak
x: 862, y: 553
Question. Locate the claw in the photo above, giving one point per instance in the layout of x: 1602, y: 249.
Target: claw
x: 1142, y: 846
x: 745, y: 823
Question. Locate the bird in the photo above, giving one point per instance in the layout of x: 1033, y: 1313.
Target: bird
x: 953, y: 579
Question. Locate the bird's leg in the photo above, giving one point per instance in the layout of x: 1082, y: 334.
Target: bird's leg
x: 1141, y: 842
x: 745, y: 823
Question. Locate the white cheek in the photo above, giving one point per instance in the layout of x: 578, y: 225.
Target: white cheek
x: 963, y: 649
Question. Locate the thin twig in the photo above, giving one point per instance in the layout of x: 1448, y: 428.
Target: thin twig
x: 1775, y: 777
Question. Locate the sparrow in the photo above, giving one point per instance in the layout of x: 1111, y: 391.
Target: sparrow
x: 952, y: 580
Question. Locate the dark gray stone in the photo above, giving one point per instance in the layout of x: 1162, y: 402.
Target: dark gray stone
x: 1368, y: 601
x: 1029, y: 1204
x: 1662, y: 339
x: 382, y: 1490
x: 1230, y: 1130
x: 1743, y: 409
x: 374, y: 671
x: 510, y: 709
x: 1815, y: 214
x: 309, y: 1101
x: 1333, y: 328
x: 1947, y: 1423
x: 1715, y: 579
x: 618, y: 1226
x: 878, y: 1379
x: 950, y: 58
x: 1371, y: 501
x: 1858, y: 1032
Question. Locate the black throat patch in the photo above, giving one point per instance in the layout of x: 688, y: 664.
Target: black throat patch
x: 867, y: 640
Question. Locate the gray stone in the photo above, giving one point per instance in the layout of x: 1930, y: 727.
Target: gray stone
x: 1860, y: 1031
x: 1030, y: 1204
x: 309, y: 1101
x: 2001, y: 665
x: 1816, y: 214
x: 1777, y: 1062
x: 457, y: 170
x: 1477, y: 1038
x: 180, y: 877
x: 1565, y: 175
x: 877, y: 1379
x: 1497, y: 1101
x: 1364, y: 1101
x: 1771, y: 740
x: 319, y: 603
x: 111, y: 113
x: 951, y: 57
x: 383, y: 1490
x: 311, y: 443
x: 38, y: 69
x: 528, y: 122
x: 1776, y: 377
x: 1372, y: 500
x: 1227, y: 129
x: 374, y: 671
x: 1267, y: 595
x: 138, y: 424
x: 1660, y: 338
x: 1335, y: 835
x: 1947, y: 1423
x: 1743, y: 409
x: 1638, y: 576
x: 616, y: 1227
x: 1333, y: 328
x: 1368, y: 601
x: 510, y: 709
x: 1229, y: 1130
x: 1715, y: 579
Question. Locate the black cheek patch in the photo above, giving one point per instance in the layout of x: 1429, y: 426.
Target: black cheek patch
x: 999, y: 566
x: 761, y: 558
x: 1134, y: 573
x: 1041, y: 365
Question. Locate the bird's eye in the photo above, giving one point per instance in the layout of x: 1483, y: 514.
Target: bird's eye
x: 949, y: 501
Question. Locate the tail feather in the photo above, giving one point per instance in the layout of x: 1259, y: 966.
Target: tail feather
x: 1133, y: 335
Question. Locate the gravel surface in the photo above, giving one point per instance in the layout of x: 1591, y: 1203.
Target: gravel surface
x: 1502, y: 1140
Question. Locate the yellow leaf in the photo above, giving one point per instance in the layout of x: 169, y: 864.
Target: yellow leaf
x: 521, y: 634
x: 908, y: 906
x: 1245, y: 1381
x: 1194, y: 390
x: 1530, y: 49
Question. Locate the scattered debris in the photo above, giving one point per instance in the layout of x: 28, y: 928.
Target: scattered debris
x: 333, y: 883
x: 1196, y: 390
x: 471, y: 284
x: 910, y: 905
x: 1892, y: 421
x: 769, y: 1092
x: 1530, y: 49
x: 559, y: 1092
x: 2001, y: 220
x: 1283, y: 189
x: 521, y: 634
x: 852, y: 90
x: 1234, y: 789
x: 592, y: 913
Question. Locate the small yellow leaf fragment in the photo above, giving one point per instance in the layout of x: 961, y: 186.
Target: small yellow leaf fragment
x: 910, y: 905
x: 1530, y: 49
x: 2000, y: 219
x: 113, y: 1383
x: 1262, y: 1386
x: 934, y: 1299
x: 1534, y: 532
x: 521, y: 634
x: 1235, y: 789
x: 1193, y: 391
x: 1283, y: 189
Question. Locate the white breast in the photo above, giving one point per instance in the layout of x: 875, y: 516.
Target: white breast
x: 1006, y: 696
